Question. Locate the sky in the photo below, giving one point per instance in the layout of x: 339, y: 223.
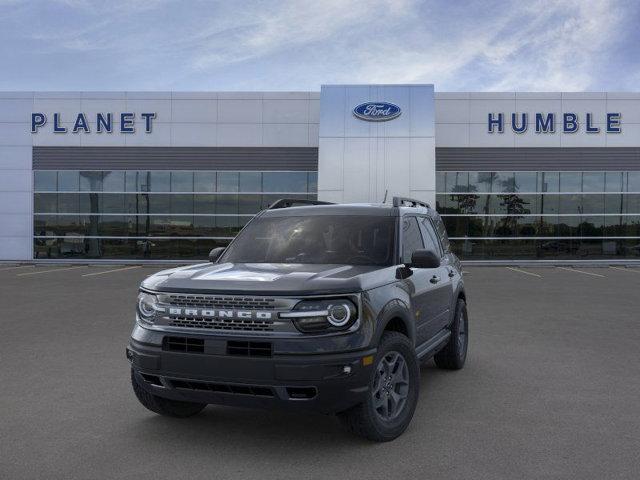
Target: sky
x: 285, y: 45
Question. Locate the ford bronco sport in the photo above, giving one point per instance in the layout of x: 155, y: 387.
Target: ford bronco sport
x: 319, y: 307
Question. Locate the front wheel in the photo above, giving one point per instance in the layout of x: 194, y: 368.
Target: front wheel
x: 393, y: 392
x: 454, y: 354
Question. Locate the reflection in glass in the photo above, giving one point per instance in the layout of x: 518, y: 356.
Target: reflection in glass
x: 68, y: 181
x: 45, y: 181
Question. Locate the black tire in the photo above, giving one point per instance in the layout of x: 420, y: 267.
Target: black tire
x: 454, y: 354
x: 365, y: 419
x: 164, y: 406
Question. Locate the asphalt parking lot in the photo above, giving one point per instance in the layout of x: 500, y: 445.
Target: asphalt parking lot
x: 551, y: 390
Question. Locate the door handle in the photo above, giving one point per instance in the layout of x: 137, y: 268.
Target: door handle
x: 452, y: 274
x: 435, y: 279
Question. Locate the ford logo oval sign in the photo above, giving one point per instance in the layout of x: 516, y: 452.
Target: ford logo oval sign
x: 377, y: 111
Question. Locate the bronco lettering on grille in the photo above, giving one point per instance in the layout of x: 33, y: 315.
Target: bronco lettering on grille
x: 211, y: 313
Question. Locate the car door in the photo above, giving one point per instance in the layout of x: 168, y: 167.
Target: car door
x: 419, y: 285
x: 441, y: 293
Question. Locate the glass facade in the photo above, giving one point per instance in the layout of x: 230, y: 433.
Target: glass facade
x: 541, y: 215
x: 152, y: 214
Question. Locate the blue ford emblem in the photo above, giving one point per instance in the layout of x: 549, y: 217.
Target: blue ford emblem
x: 377, y: 111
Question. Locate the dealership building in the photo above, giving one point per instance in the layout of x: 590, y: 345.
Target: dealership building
x: 171, y: 175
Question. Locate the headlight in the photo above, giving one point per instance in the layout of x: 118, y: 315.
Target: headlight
x: 316, y: 316
x: 147, y: 306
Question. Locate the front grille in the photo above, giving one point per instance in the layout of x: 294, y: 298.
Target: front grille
x: 183, y: 344
x: 220, y: 302
x: 244, y: 325
x: 254, y: 390
x: 249, y: 349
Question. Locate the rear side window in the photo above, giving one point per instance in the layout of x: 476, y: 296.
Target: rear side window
x: 442, y: 233
x: 430, y: 237
x: 411, y: 238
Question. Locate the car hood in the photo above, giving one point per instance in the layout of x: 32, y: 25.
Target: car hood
x: 270, y: 278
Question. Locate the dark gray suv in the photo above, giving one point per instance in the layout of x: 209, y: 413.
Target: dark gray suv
x: 316, y: 307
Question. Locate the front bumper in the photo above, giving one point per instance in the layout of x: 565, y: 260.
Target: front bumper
x: 326, y: 383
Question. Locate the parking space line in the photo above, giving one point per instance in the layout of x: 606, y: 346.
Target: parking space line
x: 49, y: 271
x: 582, y: 271
x: 636, y: 270
x: 514, y: 269
x: 111, y: 271
x: 15, y: 268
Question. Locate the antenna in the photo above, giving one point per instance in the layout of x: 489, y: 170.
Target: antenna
x: 385, y: 196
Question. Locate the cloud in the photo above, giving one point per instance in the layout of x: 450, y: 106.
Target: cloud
x: 299, y: 44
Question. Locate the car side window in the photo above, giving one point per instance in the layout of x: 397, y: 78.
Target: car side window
x: 430, y: 237
x: 442, y: 232
x: 411, y: 238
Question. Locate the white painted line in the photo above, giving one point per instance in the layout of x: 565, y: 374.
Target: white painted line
x: 634, y: 270
x: 464, y: 271
x: 581, y: 271
x: 514, y: 269
x: 111, y: 271
x: 15, y: 268
x: 49, y: 271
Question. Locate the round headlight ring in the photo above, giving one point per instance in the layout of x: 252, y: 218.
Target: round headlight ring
x: 339, y: 314
x: 146, y: 307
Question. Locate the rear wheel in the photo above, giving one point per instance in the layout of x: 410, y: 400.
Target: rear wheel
x: 393, y: 392
x: 454, y: 354
x: 164, y: 406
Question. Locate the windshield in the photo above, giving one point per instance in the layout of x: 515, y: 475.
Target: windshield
x: 348, y: 240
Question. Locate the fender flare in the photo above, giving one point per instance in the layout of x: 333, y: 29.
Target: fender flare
x: 395, y: 309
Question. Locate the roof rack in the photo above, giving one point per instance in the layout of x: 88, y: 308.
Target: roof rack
x: 409, y: 202
x: 293, y: 202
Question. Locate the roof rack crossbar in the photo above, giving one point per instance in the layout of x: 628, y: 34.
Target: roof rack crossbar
x: 409, y: 202
x: 292, y: 202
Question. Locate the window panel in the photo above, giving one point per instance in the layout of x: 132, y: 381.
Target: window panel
x: 158, y: 203
x: 68, y: 181
x: 182, y: 181
x: 504, y: 182
x: 593, y: 181
x: 90, y: 181
x: 480, y: 181
x: 204, y: 204
x: 592, y: 226
x: 204, y: 181
x: 570, y: 181
x: 250, y: 181
x: 44, y: 180
x: 181, y: 203
x: 526, y: 182
x: 429, y: 236
x: 113, y: 181
x: 411, y: 238
x: 457, y: 182
x: 159, y: 182
x: 633, y: 182
x: 249, y: 204
x: 613, y: 203
x: 68, y: 203
x: 227, y: 204
x: 440, y: 181
x: 228, y: 181
x: 571, y: 203
x: 613, y: 182
x: 592, y: 203
x: 312, y: 182
x: 284, y: 182
x: 45, y: 203
x: 548, y: 182
x: 112, y: 203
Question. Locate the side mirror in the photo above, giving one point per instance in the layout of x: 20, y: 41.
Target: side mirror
x: 214, y: 254
x: 425, y: 259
